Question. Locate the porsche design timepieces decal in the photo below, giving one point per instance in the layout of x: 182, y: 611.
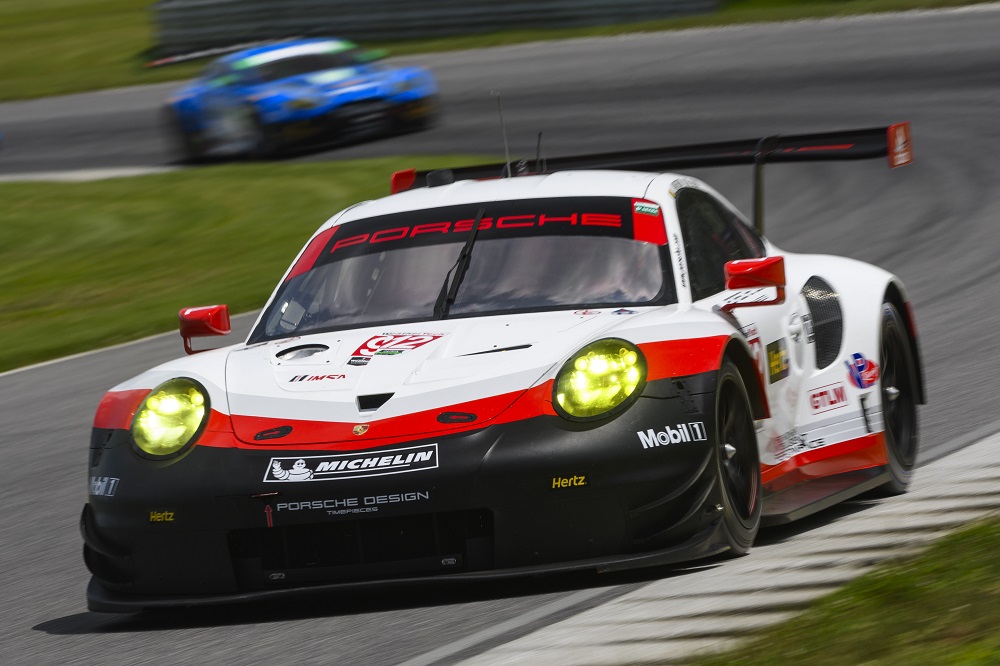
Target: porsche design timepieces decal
x: 777, y: 360
x: 352, y: 465
x: 343, y: 505
x: 685, y: 432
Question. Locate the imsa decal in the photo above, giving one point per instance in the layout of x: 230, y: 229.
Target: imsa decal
x: 352, y: 465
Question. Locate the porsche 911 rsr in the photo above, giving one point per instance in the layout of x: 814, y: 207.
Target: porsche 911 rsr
x: 578, y: 368
x: 263, y: 100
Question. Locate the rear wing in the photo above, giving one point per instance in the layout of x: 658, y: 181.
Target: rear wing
x: 892, y: 142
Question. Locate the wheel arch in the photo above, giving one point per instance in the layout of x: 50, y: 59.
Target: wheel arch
x: 739, y: 354
x: 895, y: 294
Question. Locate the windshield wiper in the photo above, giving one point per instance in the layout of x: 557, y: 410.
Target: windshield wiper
x: 450, y: 287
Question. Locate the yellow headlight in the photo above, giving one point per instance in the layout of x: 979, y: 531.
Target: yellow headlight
x: 170, y: 417
x: 599, y: 379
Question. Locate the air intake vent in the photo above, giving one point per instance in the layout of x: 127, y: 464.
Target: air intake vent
x: 367, y: 403
x: 301, y: 352
x: 827, y: 320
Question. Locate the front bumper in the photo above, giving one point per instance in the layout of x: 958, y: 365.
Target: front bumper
x: 539, y: 495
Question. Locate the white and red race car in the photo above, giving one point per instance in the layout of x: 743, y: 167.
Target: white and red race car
x: 593, y: 365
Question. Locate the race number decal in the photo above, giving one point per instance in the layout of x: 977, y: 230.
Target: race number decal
x: 392, y: 344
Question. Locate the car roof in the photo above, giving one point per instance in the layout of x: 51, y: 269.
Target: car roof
x: 291, y: 47
x: 632, y: 184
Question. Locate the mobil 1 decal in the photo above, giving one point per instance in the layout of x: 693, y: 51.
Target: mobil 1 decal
x: 298, y: 469
x: 564, y: 216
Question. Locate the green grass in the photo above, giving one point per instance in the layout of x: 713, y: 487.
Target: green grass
x: 940, y: 608
x: 86, y: 265
x: 50, y: 47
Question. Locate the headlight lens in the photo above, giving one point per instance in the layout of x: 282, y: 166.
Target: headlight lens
x: 170, y: 417
x: 599, y: 380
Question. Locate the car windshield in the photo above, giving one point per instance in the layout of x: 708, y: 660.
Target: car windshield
x: 305, y: 64
x: 528, y: 256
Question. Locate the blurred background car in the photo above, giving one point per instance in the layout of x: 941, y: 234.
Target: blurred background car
x: 262, y: 101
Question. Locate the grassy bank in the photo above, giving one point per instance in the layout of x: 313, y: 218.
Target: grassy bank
x: 940, y: 608
x: 86, y: 265
x: 50, y: 47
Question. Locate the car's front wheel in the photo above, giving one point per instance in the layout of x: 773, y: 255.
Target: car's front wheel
x: 738, y: 461
x: 186, y: 147
x: 899, y: 400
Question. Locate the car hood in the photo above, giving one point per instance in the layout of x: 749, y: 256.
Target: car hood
x: 316, y: 388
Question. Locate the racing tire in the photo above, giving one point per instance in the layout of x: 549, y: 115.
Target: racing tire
x: 738, y: 462
x: 898, y: 386
x: 264, y: 142
x: 185, y: 147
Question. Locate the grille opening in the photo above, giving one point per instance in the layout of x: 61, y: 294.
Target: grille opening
x: 394, y: 546
x: 367, y: 403
x: 827, y: 319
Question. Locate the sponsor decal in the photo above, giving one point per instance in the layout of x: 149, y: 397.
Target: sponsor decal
x: 103, y: 486
x: 777, y: 361
x: 862, y: 372
x: 756, y: 346
x: 352, y: 465
x: 899, y: 142
x: 792, y: 443
x: 587, y: 312
x: 315, y: 378
x: 746, y: 296
x: 390, y: 344
x: 623, y: 311
x: 680, y: 259
x: 680, y: 183
x: 574, y: 481
x: 646, y: 208
x: 807, y: 327
x: 347, y: 505
x: 685, y: 432
x: 827, y: 398
x: 161, y: 516
x: 505, y: 222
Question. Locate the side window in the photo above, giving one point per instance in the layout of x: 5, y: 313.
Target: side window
x: 713, y: 235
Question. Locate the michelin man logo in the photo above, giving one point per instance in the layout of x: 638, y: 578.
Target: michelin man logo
x: 298, y: 472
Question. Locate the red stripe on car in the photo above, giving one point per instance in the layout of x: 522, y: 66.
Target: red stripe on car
x: 854, y: 454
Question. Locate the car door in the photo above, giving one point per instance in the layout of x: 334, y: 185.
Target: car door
x: 225, y: 107
x: 713, y: 234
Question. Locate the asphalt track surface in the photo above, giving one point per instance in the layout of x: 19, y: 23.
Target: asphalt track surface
x: 932, y: 223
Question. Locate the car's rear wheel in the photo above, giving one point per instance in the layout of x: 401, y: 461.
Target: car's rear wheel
x: 738, y: 461
x: 899, y: 401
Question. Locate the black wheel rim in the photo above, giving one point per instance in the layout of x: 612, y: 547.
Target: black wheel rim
x: 898, y: 404
x: 738, y: 450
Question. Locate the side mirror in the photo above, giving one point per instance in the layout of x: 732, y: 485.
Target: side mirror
x: 766, y: 272
x: 203, y: 322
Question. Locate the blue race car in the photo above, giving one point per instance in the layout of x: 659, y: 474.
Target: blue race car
x: 261, y: 101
